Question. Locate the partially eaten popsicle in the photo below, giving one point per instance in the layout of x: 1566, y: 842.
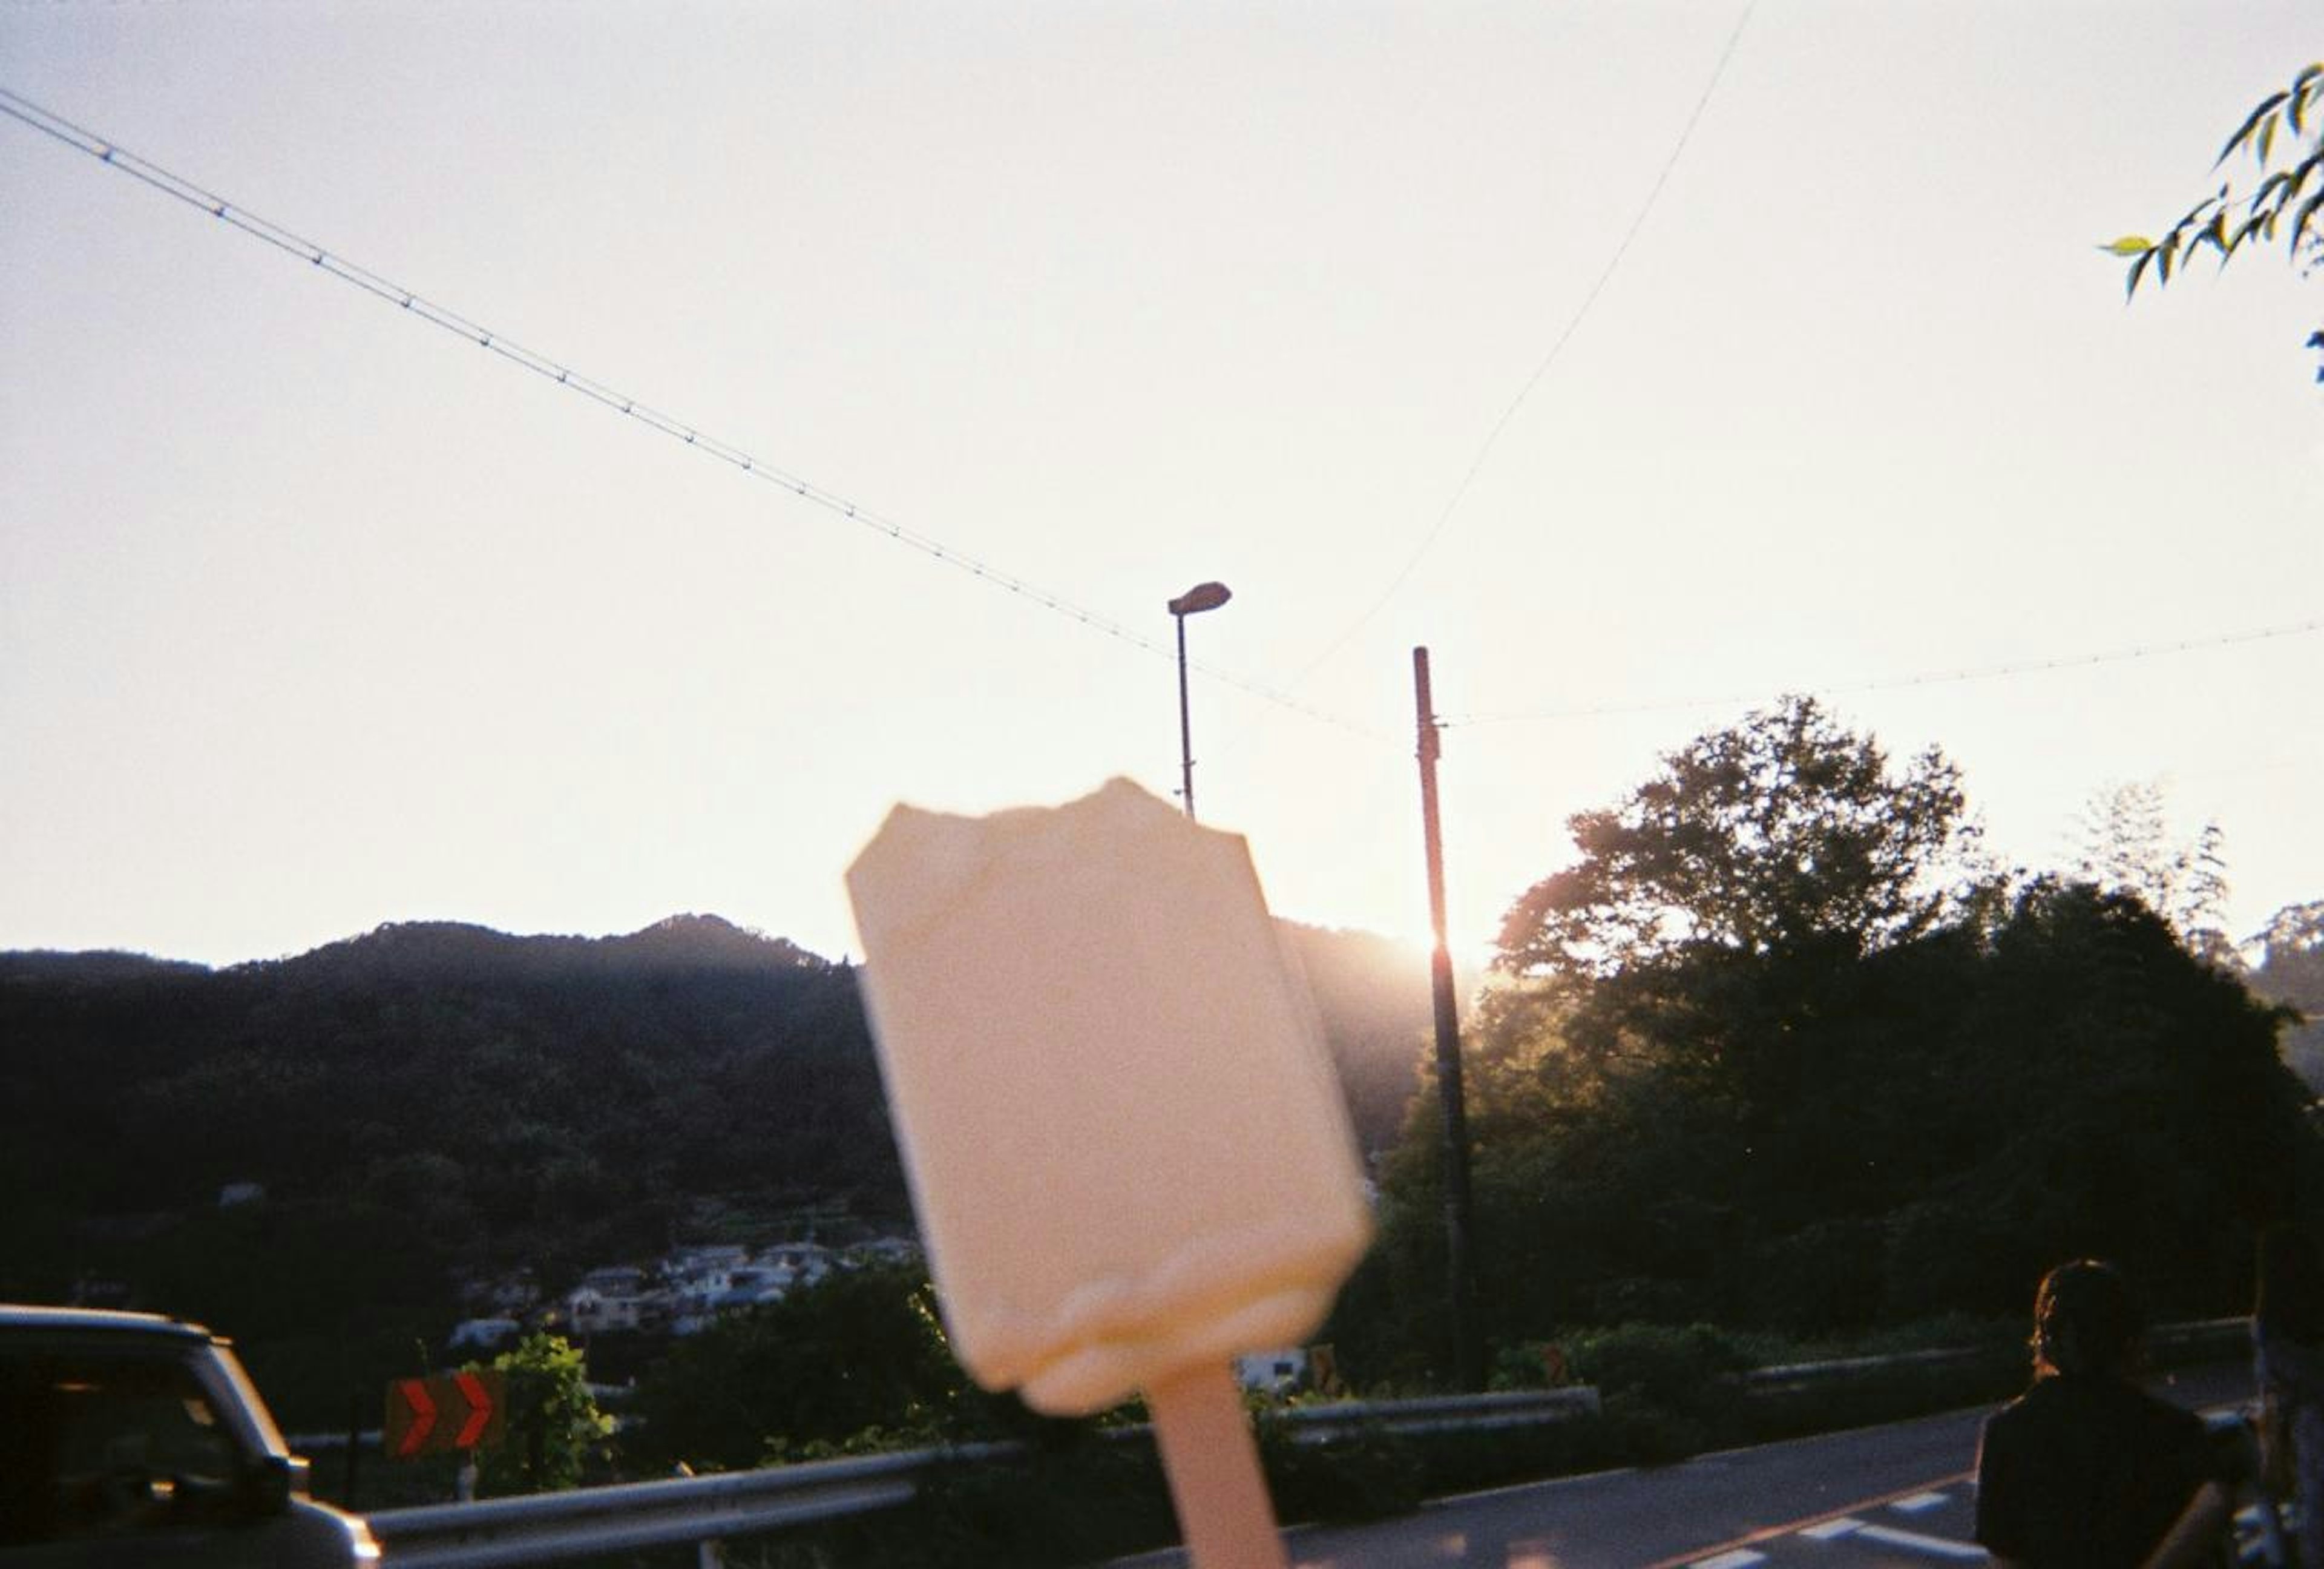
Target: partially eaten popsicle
x: 1129, y: 1154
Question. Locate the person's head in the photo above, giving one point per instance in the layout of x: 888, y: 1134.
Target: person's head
x: 2086, y: 1323
x: 2290, y: 1293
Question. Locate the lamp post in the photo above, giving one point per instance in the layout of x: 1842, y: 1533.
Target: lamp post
x: 1201, y: 598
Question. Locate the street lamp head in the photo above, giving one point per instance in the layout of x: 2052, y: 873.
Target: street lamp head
x: 1201, y: 596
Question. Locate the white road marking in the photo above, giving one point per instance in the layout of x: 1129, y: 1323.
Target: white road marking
x: 1919, y: 1501
x: 1935, y: 1547
x: 1831, y: 1530
x: 1740, y: 1558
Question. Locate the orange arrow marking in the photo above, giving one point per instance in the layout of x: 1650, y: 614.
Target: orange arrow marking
x: 480, y: 1410
x: 423, y: 1414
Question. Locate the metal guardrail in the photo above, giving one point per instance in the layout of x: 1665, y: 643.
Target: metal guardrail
x: 1784, y: 1378
x: 546, y: 1528
x: 2166, y: 1345
x: 551, y: 1528
x: 1343, y: 1420
x: 2225, y: 1334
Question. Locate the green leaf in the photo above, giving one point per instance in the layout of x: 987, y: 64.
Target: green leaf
x: 2136, y: 269
x: 2306, y: 83
x: 2267, y: 138
x: 2307, y: 212
x: 2128, y: 245
x: 2169, y: 249
x: 2266, y: 107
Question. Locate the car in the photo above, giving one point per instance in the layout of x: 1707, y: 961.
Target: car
x: 134, y: 1439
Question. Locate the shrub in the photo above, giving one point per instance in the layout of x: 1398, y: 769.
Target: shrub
x: 1367, y: 1477
x: 1689, y: 1370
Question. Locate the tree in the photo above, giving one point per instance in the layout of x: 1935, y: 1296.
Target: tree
x: 554, y: 1424
x: 2104, y: 1092
x: 2293, y: 938
x: 1779, y: 1050
x: 1706, y: 1024
x: 1762, y: 854
x: 2126, y: 848
x: 2227, y: 220
x: 863, y: 1349
x: 1784, y: 832
x: 2291, y: 971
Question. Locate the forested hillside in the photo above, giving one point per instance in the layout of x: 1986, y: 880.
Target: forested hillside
x: 519, y: 1099
x: 454, y: 1095
x: 2291, y: 971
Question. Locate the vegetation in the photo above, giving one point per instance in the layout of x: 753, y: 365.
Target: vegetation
x: 555, y: 1432
x: 1779, y: 1052
x: 807, y: 1376
x: 2127, y: 848
x: 2291, y: 972
x: 2285, y: 205
x: 429, y: 1103
x: 1781, y: 1061
x: 417, y: 1101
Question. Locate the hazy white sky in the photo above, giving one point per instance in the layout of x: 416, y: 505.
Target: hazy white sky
x: 313, y: 616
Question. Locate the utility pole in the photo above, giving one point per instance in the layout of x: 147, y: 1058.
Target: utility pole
x: 1468, y: 1355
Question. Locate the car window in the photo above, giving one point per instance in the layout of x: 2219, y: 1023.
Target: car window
x: 105, y: 1447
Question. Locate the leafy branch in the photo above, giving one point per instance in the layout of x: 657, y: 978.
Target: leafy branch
x: 2283, y: 204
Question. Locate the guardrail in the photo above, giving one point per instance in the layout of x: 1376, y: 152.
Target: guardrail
x: 1439, y: 1414
x: 545, y: 1527
x: 551, y: 1528
x: 2167, y: 1345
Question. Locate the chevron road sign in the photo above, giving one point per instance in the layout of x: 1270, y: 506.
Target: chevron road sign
x: 445, y: 1411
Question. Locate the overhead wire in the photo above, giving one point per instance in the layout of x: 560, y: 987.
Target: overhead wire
x: 1896, y: 683
x: 110, y: 153
x: 1541, y: 369
x: 105, y: 151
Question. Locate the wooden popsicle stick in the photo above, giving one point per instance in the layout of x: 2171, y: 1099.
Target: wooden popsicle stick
x: 1212, y: 1463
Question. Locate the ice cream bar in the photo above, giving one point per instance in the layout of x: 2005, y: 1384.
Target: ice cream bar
x: 1127, y: 1151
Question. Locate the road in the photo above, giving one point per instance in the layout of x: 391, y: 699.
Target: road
x: 1869, y: 1498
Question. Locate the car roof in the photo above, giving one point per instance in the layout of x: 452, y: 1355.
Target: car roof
x: 16, y: 1317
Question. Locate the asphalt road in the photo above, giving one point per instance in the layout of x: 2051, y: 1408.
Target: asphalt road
x: 1874, y: 1497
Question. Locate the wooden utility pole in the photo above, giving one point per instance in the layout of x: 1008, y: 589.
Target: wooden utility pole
x: 1468, y: 1355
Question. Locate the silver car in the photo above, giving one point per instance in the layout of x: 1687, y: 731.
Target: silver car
x: 130, y: 1439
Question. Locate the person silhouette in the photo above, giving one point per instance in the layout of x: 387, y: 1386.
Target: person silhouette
x: 2086, y: 1469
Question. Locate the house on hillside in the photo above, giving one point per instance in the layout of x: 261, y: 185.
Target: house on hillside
x: 484, y: 1336
x: 509, y: 1294
x: 694, y: 1259
x: 1272, y: 1373
x: 608, y: 1301
x: 752, y: 1287
x: 884, y: 1252
x: 715, y: 1294
x: 798, y: 1264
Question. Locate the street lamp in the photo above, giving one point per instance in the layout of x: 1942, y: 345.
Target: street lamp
x: 1201, y: 598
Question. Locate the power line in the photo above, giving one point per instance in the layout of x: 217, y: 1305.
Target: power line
x: 151, y: 174
x: 105, y: 150
x: 1890, y: 684
x: 1573, y: 323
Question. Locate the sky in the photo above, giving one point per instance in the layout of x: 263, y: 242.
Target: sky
x: 1643, y: 362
